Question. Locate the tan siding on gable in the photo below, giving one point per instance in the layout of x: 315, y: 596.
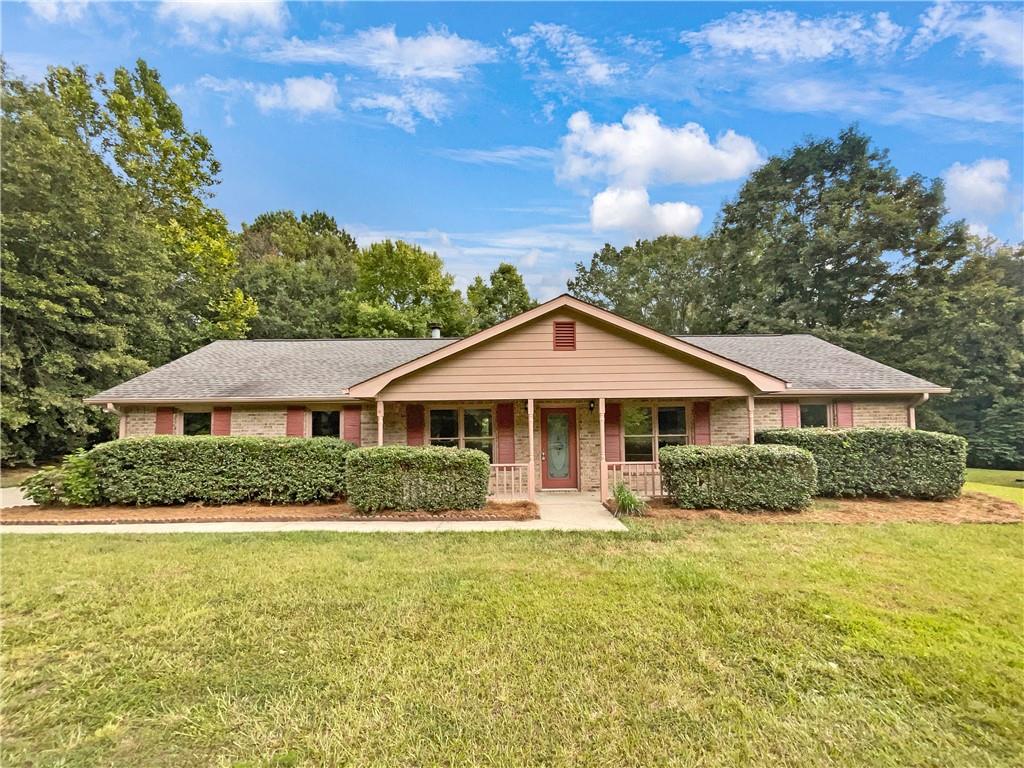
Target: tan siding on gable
x: 522, y: 363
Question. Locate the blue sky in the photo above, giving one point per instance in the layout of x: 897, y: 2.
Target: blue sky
x: 534, y: 133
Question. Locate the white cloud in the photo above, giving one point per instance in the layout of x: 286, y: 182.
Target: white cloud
x: 407, y: 108
x: 580, y: 60
x: 997, y: 33
x: 788, y: 37
x: 631, y: 211
x: 890, y: 101
x: 195, y: 19
x: 304, y: 96
x: 981, y: 187
x: 641, y: 150
x: 58, y: 10
x: 437, y: 54
x: 512, y: 156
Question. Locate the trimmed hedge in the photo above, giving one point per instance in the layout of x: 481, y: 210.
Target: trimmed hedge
x: 881, y: 462
x: 220, y: 470
x: 737, y: 476
x: 429, y: 478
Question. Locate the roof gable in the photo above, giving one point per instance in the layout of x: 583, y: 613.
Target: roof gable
x: 757, y: 381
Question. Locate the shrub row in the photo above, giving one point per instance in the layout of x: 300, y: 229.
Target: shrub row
x: 881, y: 462
x: 430, y: 478
x: 218, y: 470
x: 738, y: 476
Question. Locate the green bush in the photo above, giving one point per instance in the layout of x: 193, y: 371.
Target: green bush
x: 737, y: 476
x: 881, y: 462
x: 627, y: 502
x: 220, y: 470
x: 429, y: 478
x: 73, y: 483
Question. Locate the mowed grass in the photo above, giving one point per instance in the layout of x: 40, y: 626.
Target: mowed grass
x: 676, y: 644
x: 1004, y: 483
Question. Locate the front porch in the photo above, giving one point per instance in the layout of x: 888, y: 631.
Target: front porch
x: 587, y: 445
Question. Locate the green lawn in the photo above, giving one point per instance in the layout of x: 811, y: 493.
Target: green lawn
x: 676, y: 644
x: 998, y: 482
x: 10, y: 478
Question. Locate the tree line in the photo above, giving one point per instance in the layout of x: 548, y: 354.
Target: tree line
x: 114, y: 261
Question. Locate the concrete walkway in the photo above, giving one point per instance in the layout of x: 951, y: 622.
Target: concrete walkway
x: 12, y: 497
x: 558, y: 512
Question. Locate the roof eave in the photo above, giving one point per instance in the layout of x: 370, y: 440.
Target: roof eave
x: 860, y: 391
x: 99, y: 400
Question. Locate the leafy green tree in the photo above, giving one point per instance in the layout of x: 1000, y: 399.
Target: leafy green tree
x: 660, y: 283
x: 298, y: 269
x: 400, y: 290
x: 140, y: 131
x: 502, y: 297
x: 958, y: 320
x: 84, y: 279
x: 810, y: 240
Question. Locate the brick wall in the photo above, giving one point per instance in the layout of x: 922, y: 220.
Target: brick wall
x: 140, y: 422
x: 880, y: 413
x: 259, y: 422
x: 729, y: 422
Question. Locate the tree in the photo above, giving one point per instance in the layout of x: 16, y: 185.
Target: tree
x: 504, y: 296
x: 958, y: 320
x: 139, y: 130
x: 84, y: 279
x: 660, y: 283
x: 298, y: 270
x: 811, y: 239
x: 400, y: 290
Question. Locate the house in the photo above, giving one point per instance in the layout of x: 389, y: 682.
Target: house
x: 563, y: 396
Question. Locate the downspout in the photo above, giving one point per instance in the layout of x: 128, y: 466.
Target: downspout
x: 912, y: 410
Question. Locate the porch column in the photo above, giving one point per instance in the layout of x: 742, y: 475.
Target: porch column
x: 750, y: 419
x: 380, y: 422
x: 604, y: 457
x: 531, y: 482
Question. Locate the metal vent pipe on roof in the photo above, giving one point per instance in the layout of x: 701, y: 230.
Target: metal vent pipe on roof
x: 435, y: 330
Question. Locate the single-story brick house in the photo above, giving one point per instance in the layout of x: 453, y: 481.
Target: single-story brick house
x: 563, y: 396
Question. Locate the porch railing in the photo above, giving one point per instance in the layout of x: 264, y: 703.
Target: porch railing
x: 641, y: 477
x: 509, y: 481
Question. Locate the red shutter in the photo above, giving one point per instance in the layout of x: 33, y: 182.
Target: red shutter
x: 414, y: 424
x: 164, y: 421
x: 352, y: 428
x: 295, y: 423
x: 790, y: 415
x: 844, y: 415
x: 702, y: 423
x: 506, y: 434
x: 220, y: 421
x: 613, y: 431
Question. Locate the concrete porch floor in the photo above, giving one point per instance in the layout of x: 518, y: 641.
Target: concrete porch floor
x: 559, y: 511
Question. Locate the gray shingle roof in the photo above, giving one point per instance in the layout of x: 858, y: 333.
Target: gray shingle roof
x: 807, y: 362
x: 324, y: 368
x: 285, y: 369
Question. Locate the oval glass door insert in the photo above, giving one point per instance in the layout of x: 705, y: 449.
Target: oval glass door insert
x: 558, y: 445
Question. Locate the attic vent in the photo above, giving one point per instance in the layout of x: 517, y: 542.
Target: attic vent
x: 564, y: 334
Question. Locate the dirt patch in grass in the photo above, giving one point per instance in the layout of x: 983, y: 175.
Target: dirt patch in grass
x: 969, y: 508
x: 249, y: 513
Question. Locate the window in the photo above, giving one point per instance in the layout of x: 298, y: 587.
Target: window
x: 325, y: 424
x: 195, y: 423
x: 813, y: 415
x: 647, y: 429
x: 463, y: 428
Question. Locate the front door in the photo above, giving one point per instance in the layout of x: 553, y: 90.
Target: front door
x: 558, y: 448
